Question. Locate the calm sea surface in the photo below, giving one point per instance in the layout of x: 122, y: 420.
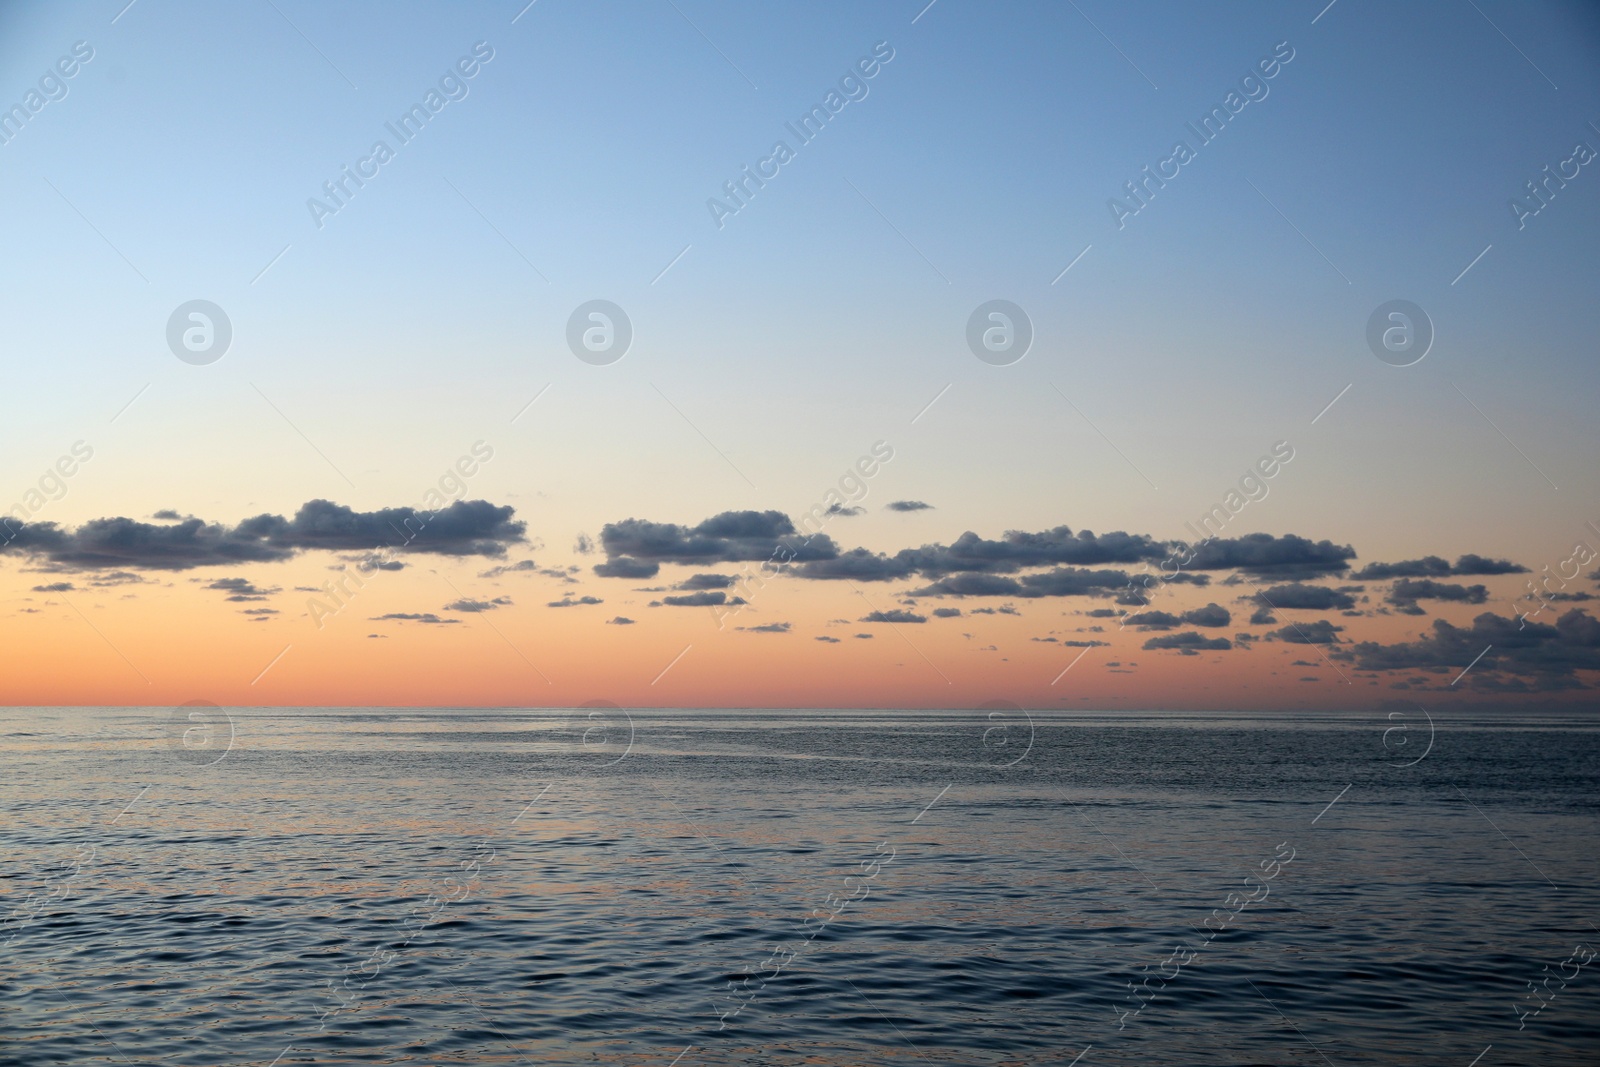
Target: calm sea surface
x: 299, y: 886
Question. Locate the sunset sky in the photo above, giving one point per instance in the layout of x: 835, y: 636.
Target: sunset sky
x: 400, y: 351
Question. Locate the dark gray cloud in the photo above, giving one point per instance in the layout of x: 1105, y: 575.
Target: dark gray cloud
x: 1298, y: 596
x: 623, y: 567
x: 1407, y: 591
x: 894, y: 615
x: 573, y: 602
x: 410, y: 616
x: 1263, y: 617
x: 829, y: 640
x: 464, y: 528
x: 972, y: 585
x: 908, y: 505
x: 55, y: 587
x: 118, y: 578
x: 258, y: 611
x: 705, y: 581
x: 241, y: 589
x: 467, y: 604
x: 844, y: 510
x: 522, y: 566
x: 701, y: 600
x: 1210, y: 615
x: 767, y: 628
x: 1319, y: 632
x: 635, y: 548
x: 1520, y: 655
x: 1189, y: 643
x: 1153, y: 620
x: 620, y: 620
x: 1434, y: 567
x: 856, y: 565
x: 1018, y: 549
x: 1267, y: 556
x: 946, y: 613
x: 1063, y: 581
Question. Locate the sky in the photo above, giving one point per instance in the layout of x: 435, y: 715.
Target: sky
x: 405, y: 403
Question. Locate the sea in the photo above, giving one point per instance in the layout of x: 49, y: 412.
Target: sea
x: 601, y: 885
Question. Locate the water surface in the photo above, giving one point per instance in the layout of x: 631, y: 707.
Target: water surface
x: 598, y: 886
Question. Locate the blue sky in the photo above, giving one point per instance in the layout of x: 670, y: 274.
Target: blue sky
x: 830, y: 311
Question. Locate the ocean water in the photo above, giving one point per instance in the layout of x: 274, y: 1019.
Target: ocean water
x: 599, y: 886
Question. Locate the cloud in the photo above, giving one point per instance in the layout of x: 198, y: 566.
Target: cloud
x: 627, y: 568
x: 1320, y: 632
x: 864, y: 637
x: 1003, y: 609
x: 701, y: 600
x: 767, y: 628
x: 1434, y: 567
x: 242, y: 589
x: 829, y: 640
x: 1210, y: 615
x: 469, y: 605
x: 569, y: 602
x: 908, y: 505
x: 1018, y: 549
x: 620, y: 620
x: 1298, y: 596
x: 1263, y: 617
x: 522, y: 566
x: 407, y: 616
x: 167, y: 514
x: 1063, y: 581
x: 1190, y: 643
x: 855, y: 565
x: 118, y: 578
x: 1549, y: 656
x: 1266, y: 556
x: 1153, y: 620
x: 259, y: 611
x: 706, y: 581
x: 55, y: 587
x: 1407, y: 591
x: 635, y: 548
x: 972, y: 585
x: 464, y: 528
x: 893, y: 615
x: 946, y: 613
x: 844, y: 511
